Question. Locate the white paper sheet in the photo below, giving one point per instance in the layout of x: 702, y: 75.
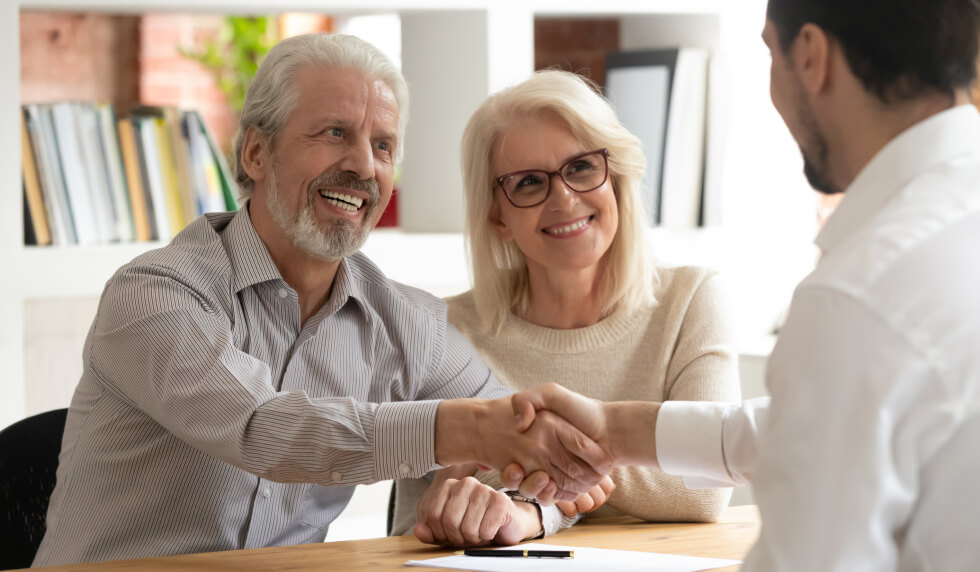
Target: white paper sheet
x: 585, y: 559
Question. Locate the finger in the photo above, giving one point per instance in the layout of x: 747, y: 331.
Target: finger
x: 585, y: 502
x: 607, y: 485
x: 453, y: 513
x: 590, y: 462
x: 524, y: 410
x: 471, y: 523
x: 430, y: 509
x: 547, y: 494
x: 532, y: 486
x: 424, y: 533
x: 497, y: 515
x: 567, y: 508
x: 512, y: 475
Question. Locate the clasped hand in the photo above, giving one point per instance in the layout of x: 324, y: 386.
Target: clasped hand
x: 487, y: 432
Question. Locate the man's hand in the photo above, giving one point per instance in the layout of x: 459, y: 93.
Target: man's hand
x: 624, y: 429
x: 465, y: 512
x: 588, y: 502
x: 483, y: 431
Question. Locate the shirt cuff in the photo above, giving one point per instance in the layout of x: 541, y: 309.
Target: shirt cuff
x: 689, y: 442
x: 404, y: 443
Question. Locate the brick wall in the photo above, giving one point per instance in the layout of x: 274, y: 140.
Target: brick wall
x: 79, y: 56
x: 575, y: 44
x: 168, y: 78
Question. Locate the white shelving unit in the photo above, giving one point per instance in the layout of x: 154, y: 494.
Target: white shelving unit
x: 454, y: 54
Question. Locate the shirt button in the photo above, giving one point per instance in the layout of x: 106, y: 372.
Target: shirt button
x: 283, y: 293
x: 405, y: 469
x: 266, y: 492
x: 336, y: 476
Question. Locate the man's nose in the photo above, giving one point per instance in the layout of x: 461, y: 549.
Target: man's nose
x: 359, y: 160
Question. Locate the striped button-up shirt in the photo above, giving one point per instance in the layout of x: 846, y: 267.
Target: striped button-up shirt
x: 209, y: 417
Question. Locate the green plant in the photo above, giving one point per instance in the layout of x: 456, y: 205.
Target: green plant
x: 234, y: 55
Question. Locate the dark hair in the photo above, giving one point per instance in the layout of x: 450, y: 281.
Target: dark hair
x: 898, y: 49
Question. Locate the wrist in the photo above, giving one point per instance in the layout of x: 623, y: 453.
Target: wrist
x: 529, y: 516
x: 631, y: 432
x: 458, y: 422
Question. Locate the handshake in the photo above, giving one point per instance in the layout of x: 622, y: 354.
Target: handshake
x: 548, y: 443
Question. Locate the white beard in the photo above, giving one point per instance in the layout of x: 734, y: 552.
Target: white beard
x: 342, y: 238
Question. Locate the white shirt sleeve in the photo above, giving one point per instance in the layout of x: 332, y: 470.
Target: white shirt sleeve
x: 710, y: 444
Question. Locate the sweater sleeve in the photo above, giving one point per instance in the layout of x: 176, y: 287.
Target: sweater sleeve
x: 703, y: 367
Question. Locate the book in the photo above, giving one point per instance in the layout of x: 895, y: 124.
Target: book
x: 181, y: 153
x: 168, y: 169
x: 229, y: 187
x: 37, y: 214
x: 154, y: 184
x: 75, y: 178
x: 115, y: 175
x: 94, y: 162
x: 203, y: 167
x: 41, y: 130
x: 142, y: 219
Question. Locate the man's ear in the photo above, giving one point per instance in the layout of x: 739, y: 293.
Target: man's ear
x: 256, y: 156
x: 811, y: 54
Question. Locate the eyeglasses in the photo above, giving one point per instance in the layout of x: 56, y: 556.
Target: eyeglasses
x: 582, y: 173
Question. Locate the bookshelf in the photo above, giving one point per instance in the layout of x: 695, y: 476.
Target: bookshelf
x: 491, y: 46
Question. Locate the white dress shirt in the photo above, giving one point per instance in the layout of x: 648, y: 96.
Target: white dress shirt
x: 870, y: 455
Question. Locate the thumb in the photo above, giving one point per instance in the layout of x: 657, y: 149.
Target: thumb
x: 424, y: 533
x: 525, y: 404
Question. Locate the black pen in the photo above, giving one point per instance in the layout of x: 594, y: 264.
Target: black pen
x: 518, y: 553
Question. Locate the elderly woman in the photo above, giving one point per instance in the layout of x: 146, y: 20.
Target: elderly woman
x: 565, y: 290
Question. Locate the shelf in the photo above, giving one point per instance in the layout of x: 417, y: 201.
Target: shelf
x: 550, y: 7
x: 72, y: 271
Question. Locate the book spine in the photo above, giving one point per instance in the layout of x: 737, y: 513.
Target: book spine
x: 34, y: 200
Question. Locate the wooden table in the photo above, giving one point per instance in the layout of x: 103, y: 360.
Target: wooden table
x: 731, y: 537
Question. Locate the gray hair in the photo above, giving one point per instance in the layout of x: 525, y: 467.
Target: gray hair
x: 499, y: 269
x: 271, y: 99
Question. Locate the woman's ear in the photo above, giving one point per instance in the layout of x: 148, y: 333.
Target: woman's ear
x: 496, y: 222
x: 256, y: 158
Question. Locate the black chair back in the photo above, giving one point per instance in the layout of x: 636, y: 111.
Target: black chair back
x: 28, y: 463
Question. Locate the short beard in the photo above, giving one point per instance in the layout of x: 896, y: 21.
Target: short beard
x: 815, y: 162
x: 343, y: 237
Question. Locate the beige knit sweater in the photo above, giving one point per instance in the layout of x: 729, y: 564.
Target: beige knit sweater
x: 679, y: 349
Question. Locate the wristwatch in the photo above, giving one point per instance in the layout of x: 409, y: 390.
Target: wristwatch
x: 516, y: 496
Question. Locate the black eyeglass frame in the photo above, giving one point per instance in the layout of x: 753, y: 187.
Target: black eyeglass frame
x: 605, y: 164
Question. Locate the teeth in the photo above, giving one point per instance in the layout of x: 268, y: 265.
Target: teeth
x: 346, y: 202
x: 568, y: 227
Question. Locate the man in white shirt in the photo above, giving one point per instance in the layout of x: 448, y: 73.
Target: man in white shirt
x: 868, y: 455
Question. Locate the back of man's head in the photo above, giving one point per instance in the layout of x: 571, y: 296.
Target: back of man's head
x: 898, y: 49
x: 271, y: 97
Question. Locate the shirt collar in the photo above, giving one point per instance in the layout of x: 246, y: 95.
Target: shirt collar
x: 932, y: 141
x: 250, y: 260
x: 252, y: 264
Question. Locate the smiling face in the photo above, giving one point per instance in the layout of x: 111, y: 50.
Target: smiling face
x: 328, y: 176
x: 569, y: 231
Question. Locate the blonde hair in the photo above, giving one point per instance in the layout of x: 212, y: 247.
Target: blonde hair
x: 271, y: 97
x: 498, y: 268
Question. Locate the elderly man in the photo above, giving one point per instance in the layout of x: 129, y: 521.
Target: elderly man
x: 240, y: 381
x: 867, y: 456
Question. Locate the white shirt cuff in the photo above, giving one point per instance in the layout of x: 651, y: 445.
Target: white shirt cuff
x: 689, y: 442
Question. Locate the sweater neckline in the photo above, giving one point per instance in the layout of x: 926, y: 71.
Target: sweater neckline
x: 603, y: 333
